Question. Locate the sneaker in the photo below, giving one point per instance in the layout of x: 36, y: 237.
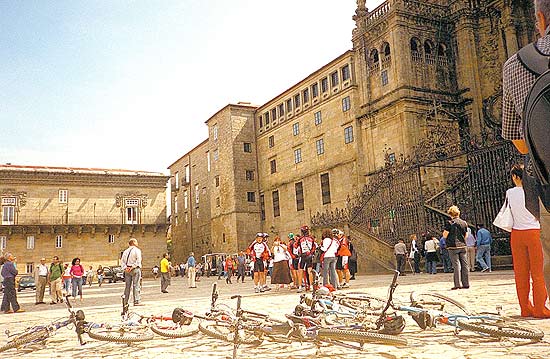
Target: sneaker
x: 256, y: 290
x: 345, y: 285
x: 301, y: 289
x: 266, y: 288
x: 262, y: 289
x: 485, y: 270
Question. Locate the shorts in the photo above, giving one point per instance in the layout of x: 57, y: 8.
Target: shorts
x: 305, y: 262
x: 295, y: 263
x: 259, y: 265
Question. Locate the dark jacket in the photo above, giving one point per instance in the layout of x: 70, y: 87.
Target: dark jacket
x: 457, y: 233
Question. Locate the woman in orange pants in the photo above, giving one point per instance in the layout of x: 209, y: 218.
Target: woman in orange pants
x: 526, y: 252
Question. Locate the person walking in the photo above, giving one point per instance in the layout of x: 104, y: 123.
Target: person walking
x: 241, y: 263
x: 281, y: 269
x: 55, y: 280
x: 526, y: 251
x: 431, y: 246
x: 192, y: 270
x: 228, y: 267
x: 454, y: 234
x: 66, y: 278
x: 484, y: 240
x: 164, y: 273
x: 471, y: 249
x: 77, y: 272
x: 41, y: 281
x: 90, y: 276
x: 131, y: 265
x: 517, y: 81
x: 400, y: 251
x: 9, y: 272
x: 100, y: 272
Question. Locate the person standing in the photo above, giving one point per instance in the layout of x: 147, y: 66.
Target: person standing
x: 352, y: 259
x: 431, y: 246
x: 329, y: 246
x: 259, y: 251
x: 9, y: 272
x: 66, y: 278
x: 415, y: 253
x: 445, y: 257
x: 516, y: 83
x: 54, y: 278
x: 526, y: 251
x: 41, y: 281
x: 241, y: 262
x: 484, y: 241
x: 100, y: 273
x: 90, y: 276
x: 307, y: 249
x: 228, y: 267
x: 454, y: 233
x: 281, y: 270
x: 164, y: 273
x: 400, y: 251
x: 131, y: 265
x: 471, y: 249
x: 192, y: 270
x: 342, y: 261
x: 77, y: 272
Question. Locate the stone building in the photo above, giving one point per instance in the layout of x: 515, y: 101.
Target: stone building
x: 421, y: 84
x: 81, y: 212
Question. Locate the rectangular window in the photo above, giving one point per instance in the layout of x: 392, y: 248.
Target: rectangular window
x: 262, y: 207
x: 345, y: 73
x: 8, y: 215
x: 281, y: 110
x: 384, y: 77
x: 197, y: 194
x: 218, y: 202
x: 3, y: 243
x: 299, y: 196
x: 325, y: 188
x: 348, y: 134
x: 271, y: 141
x: 346, y: 104
x: 320, y: 146
x: 296, y: 128
x: 298, y: 155
x: 216, y: 154
x: 30, y: 242
x: 63, y: 195
x: 217, y: 181
x: 266, y: 118
x: 208, y: 161
x: 131, y: 215
x: 111, y: 238
x: 334, y: 79
x: 261, y: 120
x: 59, y: 241
x: 187, y: 174
x: 315, y: 90
x: 305, y: 95
x: 185, y: 200
x: 176, y: 205
x: 251, y: 196
x: 29, y: 267
x: 318, y: 118
x: 297, y: 101
x: 177, y: 179
x: 247, y: 147
x: 215, y: 132
x: 273, y: 166
x: 249, y: 175
x: 276, y: 209
x: 324, y: 85
x: 288, y: 105
x: 273, y: 114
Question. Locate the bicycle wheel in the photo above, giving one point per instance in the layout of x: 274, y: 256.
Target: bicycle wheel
x: 363, y: 302
x: 225, y: 332
x: 25, y: 338
x: 438, y: 302
x: 123, y: 334
x: 361, y: 337
x: 172, y: 331
x: 501, y: 329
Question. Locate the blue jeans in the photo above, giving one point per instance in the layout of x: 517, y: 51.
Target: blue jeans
x: 77, y: 284
x: 131, y: 281
x: 329, y: 271
x: 483, y: 256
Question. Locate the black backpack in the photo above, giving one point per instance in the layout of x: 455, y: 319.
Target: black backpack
x: 536, y: 118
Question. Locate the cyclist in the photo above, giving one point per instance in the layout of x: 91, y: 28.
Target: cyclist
x: 294, y: 250
x: 307, y: 248
x: 260, y: 253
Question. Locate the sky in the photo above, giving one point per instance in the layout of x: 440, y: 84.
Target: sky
x: 130, y: 84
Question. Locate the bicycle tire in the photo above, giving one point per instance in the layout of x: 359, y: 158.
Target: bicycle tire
x: 115, y: 335
x: 223, y: 332
x: 364, y: 302
x: 415, y: 299
x: 173, y: 332
x: 359, y: 336
x: 501, y: 330
x: 25, y: 338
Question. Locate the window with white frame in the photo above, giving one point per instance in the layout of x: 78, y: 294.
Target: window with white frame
x: 197, y: 194
x: 3, y: 243
x: 208, y: 161
x: 348, y: 134
x: 345, y: 73
x: 186, y: 179
x: 177, y: 179
x: 296, y: 128
x: 111, y: 238
x: 216, y: 154
x: 318, y: 118
x: 175, y: 204
x: 8, y: 210
x: 29, y: 267
x: 63, y: 195
x: 215, y: 132
x: 346, y: 105
x: 185, y: 200
x: 30, y: 242
x: 320, y: 146
x: 131, y: 206
x: 247, y: 147
x: 59, y: 241
x: 298, y: 155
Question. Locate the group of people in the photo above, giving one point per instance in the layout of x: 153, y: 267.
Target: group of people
x: 166, y: 269
x: 294, y: 263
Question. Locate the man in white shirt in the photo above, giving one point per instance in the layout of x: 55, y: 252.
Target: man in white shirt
x: 131, y: 265
x: 41, y: 281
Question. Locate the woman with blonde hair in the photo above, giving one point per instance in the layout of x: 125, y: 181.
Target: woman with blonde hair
x: 455, y: 239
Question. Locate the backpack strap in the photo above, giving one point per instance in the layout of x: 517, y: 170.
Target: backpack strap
x: 533, y: 60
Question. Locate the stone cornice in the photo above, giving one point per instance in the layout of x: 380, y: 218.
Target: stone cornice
x: 80, y: 229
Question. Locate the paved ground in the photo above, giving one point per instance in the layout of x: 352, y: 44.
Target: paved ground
x: 488, y: 290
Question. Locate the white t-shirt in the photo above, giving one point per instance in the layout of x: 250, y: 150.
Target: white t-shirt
x: 523, y: 219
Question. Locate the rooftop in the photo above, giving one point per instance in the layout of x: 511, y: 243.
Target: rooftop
x: 78, y: 170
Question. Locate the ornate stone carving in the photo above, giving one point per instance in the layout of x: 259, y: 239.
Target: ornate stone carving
x: 120, y: 197
x: 21, y: 196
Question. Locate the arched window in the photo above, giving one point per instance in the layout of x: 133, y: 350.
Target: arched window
x: 441, y: 50
x: 428, y: 47
x: 416, y: 50
x: 386, y: 49
x: 374, y: 56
